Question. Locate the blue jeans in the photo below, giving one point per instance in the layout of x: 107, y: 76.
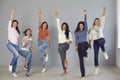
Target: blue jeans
x: 28, y: 56
x: 99, y: 43
x: 14, y: 50
x: 82, y: 52
x: 42, y: 46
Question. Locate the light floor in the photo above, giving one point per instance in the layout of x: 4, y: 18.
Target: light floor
x: 53, y: 73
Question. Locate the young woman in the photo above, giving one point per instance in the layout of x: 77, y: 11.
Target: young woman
x: 96, y: 34
x: 43, y: 41
x: 26, y: 50
x: 12, y: 45
x: 64, y: 40
x: 81, y: 42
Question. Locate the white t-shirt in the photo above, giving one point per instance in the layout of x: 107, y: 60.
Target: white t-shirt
x: 61, y: 34
x: 12, y: 34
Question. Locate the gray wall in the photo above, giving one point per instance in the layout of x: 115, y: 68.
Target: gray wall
x: 71, y: 12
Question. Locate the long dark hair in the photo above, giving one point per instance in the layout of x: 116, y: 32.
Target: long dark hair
x: 95, y: 20
x: 44, y: 23
x: 25, y: 32
x: 67, y: 29
x: 78, y: 28
x: 17, y: 28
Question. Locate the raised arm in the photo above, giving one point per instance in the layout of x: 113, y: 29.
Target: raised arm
x: 85, y: 18
x: 104, y: 11
x: 103, y: 17
x: 39, y: 18
x: 58, y: 22
x: 12, y: 14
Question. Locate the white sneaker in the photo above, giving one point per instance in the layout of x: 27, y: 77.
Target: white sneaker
x: 106, y: 56
x: 43, y: 70
x: 10, y: 68
x: 14, y: 74
x: 96, y: 70
x: 46, y: 57
x: 82, y: 78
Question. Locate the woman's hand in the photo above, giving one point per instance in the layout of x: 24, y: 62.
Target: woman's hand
x: 76, y: 48
x: 85, y: 11
x: 57, y: 14
x: 50, y: 45
x: 12, y: 13
x: 69, y: 42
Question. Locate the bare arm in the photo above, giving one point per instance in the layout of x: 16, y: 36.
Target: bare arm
x: 104, y: 11
x: 49, y: 41
x: 39, y: 18
x: 12, y: 14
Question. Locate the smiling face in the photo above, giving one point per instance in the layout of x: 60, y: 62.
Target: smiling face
x: 15, y: 25
x: 96, y: 22
x: 44, y: 26
x: 81, y: 26
x: 64, y: 27
x: 28, y: 32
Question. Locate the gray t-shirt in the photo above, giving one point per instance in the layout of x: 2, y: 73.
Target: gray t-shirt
x: 27, y: 45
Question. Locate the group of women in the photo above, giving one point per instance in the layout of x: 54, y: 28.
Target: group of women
x: 65, y: 38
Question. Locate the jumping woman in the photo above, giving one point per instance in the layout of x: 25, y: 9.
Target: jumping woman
x: 12, y: 45
x: 26, y: 50
x: 81, y: 42
x: 64, y: 41
x: 96, y: 34
x: 43, y: 41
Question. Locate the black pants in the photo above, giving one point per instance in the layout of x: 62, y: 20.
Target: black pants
x: 62, y: 51
x: 98, y: 43
x: 82, y: 52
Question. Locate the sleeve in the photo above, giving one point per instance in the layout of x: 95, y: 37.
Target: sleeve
x: 70, y: 36
x: 85, y: 21
x: 58, y: 25
x: 90, y: 34
x: 9, y: 24
x: 76, y: 39
x: 103, y: 21
x: 38, y: 32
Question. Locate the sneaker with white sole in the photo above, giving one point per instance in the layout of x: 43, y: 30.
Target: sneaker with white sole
x: 14, y: 74
x: 43, y: 70
x: 10, y: 68
x: 82, y: 78
x: 46, y: 57
x: 87, y: 57
x: 25, y: 68
x: 96, y: 70
x: 106, y: 56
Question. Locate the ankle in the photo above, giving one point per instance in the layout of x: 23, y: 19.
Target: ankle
x: 65, y: 71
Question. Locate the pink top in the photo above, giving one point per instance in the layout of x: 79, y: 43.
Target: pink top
x: 12, y: 34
